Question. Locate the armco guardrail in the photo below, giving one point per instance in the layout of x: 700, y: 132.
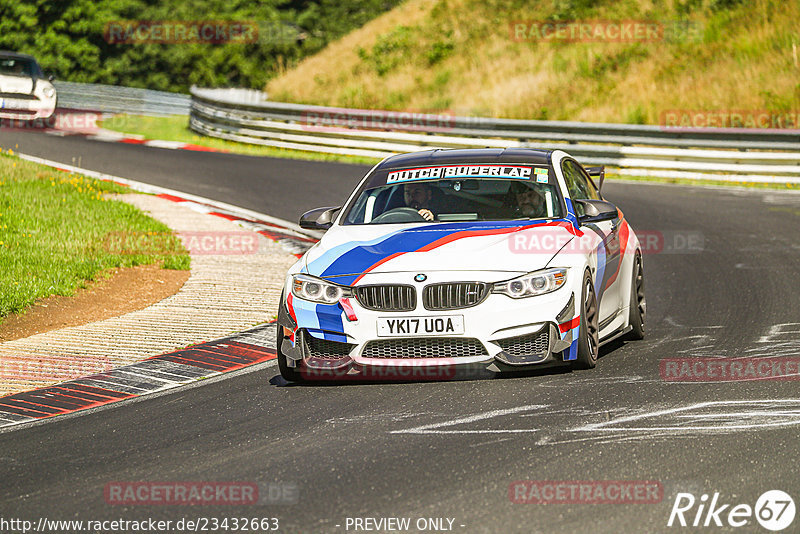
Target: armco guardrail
x: 746, y: 155
x: 117, y: 99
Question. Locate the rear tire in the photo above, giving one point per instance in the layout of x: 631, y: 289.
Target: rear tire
x: 588, y: 333
x: 292, y: 374
x: 638, y: 305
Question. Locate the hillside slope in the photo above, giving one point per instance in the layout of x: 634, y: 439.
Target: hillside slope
x: 463, y: 56
x: 173, y: 44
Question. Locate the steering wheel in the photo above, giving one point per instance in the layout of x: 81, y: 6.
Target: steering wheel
x: 399, y: 215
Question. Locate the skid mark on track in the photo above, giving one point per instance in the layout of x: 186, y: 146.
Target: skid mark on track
x: 780, y: 340
x: 369, y: 418
x: 572, y: 382
x: 696, y: 340
x: 706, y: 417
x: 444, y: 427
x: 491, y: 442
x: 703, y: 418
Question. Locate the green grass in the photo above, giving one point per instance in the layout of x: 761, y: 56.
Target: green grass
x: 176, y: 128
x: 55, y: 231
x: 466, y: 57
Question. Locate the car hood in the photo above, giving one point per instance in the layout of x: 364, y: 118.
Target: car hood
x: 346, y: 253
x: 16, y: 84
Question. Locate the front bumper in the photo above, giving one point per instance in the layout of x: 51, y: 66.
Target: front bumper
x: 26, y: 107
x: 499, y: 334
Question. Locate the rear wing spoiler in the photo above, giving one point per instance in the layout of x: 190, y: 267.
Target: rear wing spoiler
x: 598, y: 174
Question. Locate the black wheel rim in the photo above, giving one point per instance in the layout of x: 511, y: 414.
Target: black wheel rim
x: 640, y: 300
x: 590, y: 314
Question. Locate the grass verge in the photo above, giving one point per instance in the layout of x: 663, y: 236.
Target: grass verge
x: 176, y: 128
x: 54, y: 233
x: 494, y: 58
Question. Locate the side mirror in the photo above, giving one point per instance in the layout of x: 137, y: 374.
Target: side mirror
x: 598, y: 174
x: 318, y: 219
x: 596, y: 211
x: 51, y: 77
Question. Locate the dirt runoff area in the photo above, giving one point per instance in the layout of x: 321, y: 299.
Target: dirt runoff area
x: 127, y: 289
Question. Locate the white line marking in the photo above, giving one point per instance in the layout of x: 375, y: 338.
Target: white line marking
x: 106, y: 137
x: 737, y: 414
x: 777, y: 330
x: 613, y: 424
x: 549, y: 440
x: 434, y: 428
x: 432, y: 431
x: 491, y: 442
x: 165, y: 144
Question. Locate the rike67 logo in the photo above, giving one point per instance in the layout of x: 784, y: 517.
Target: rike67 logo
x: 774, y: 510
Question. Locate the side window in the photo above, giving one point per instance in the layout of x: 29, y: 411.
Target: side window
x: 569, y: 177
x: 579, y: 185
x: 591, y: 190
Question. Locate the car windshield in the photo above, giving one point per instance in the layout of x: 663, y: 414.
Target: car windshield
x: 14, y: 66
x: 454, y: 201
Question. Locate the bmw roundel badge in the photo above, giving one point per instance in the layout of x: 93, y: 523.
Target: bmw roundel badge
x: 420, y: 278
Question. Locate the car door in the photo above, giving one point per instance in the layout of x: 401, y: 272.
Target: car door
x: 606, y: 281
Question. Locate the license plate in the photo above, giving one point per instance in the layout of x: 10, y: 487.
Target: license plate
x: 421, y: 326
x: 17, y: 104
x: 13, y: 104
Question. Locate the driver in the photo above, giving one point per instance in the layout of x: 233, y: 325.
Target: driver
x: 419, y: 196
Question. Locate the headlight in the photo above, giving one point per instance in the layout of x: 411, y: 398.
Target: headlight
x: 529, y: 285
x: 318, y: 290
x: 49, y: 91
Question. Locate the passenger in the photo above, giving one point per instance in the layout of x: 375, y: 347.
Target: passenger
x: 529, y: 202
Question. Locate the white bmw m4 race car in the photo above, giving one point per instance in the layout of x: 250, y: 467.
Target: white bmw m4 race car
x: 493, y: 259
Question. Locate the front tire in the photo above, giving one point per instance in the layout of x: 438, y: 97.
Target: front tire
x: 638, y: 304
x: 292, y: 374
x: 588, y: 333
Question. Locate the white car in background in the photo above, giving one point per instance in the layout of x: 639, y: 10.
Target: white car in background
x: 25, y: 92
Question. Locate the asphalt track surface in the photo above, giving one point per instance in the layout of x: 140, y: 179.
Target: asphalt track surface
x: 451, y: 449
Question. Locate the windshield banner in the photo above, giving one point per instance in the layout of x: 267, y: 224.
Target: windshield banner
x: 460, y: 171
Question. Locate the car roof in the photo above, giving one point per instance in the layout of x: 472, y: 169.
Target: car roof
x: 466, y: 155
x: 16, y: 55
x: 454, y: 157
